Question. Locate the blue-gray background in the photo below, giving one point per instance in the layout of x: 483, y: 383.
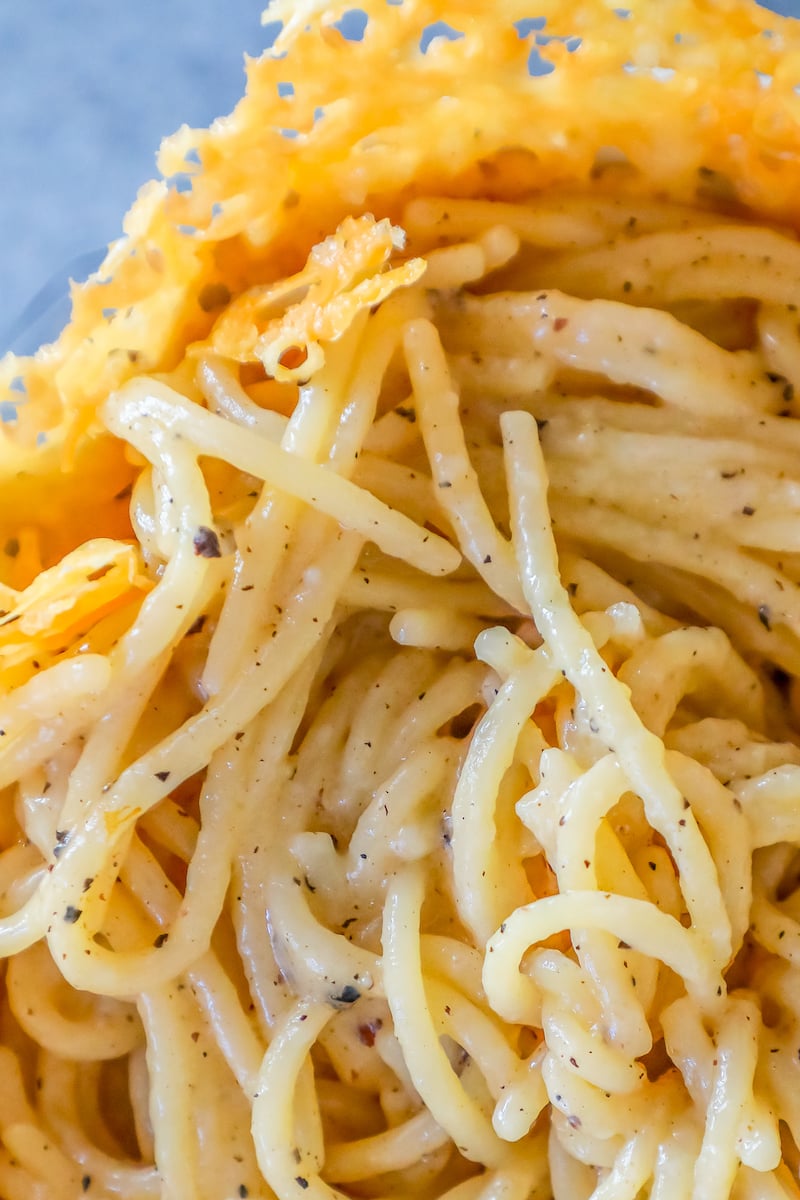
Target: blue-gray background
x: 87, y: 90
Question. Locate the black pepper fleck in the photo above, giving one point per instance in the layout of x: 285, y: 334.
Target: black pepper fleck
x: 348, y: 995
x: 206, y: 543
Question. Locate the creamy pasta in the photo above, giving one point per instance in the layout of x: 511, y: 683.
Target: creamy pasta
x: 399, y: 759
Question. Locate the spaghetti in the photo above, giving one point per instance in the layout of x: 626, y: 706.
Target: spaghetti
x: 399, y: 762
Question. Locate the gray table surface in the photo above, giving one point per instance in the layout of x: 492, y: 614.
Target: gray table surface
x: 86, y: 94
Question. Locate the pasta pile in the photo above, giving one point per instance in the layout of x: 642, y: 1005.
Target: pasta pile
x: 399, y: 660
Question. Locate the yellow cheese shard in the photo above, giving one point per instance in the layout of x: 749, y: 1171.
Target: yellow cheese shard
x: 344, y: 274
x: 63, y: 603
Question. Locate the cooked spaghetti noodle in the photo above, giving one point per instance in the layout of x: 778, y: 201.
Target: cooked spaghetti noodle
x: 399, y: 740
